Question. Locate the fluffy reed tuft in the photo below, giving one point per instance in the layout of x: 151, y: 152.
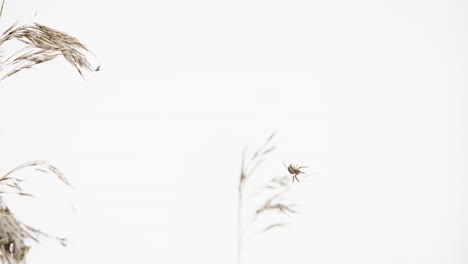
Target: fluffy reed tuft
x: 42, y: 44
x: 16, y: 238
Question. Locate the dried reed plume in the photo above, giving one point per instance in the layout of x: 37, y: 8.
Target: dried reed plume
x: 16, y: 237
x: 42, y: 44
x: 272, y: 191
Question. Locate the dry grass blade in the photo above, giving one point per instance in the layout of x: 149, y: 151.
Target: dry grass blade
x: 1, y: 9
x: 266, y: 148
x: 268, y: 228
x: 280, y: 207
x: 15, y: 236
x: 249, y: 167
x: 42, y: 44
x: 273, y: 205
x: 277, y: 183
x: 39, y: 165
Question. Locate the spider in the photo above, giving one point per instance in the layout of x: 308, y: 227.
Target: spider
x: 294, y: 170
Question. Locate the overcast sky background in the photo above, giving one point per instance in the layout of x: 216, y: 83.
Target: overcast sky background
x: 370, y: 94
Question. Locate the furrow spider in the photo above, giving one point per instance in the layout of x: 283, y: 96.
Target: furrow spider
x: 294, y: 170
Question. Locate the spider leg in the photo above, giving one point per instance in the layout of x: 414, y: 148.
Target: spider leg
x: 295, y: 176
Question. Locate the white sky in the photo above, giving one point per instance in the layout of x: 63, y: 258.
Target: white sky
x: 370, y: 94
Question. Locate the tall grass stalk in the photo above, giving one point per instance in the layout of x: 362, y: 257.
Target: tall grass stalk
x: 268, y: 199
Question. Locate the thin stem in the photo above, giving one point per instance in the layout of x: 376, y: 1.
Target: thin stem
x: 239, y: 227
x: 239, y: 210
